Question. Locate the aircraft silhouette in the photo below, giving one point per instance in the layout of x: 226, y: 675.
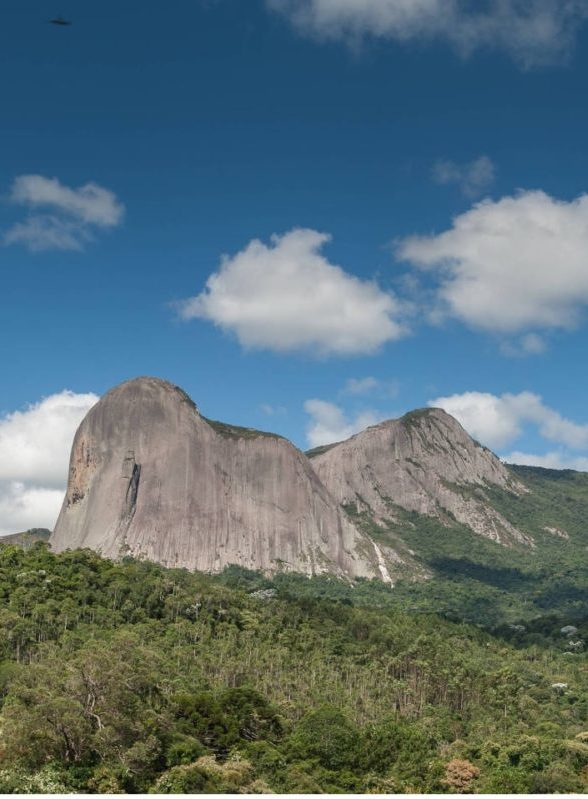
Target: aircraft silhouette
x: 59, y: 21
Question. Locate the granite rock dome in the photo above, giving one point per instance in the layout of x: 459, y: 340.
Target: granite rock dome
x: 152, y: 478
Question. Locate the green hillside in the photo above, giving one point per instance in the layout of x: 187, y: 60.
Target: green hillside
x: 478, y: 580
x: 132, y: 677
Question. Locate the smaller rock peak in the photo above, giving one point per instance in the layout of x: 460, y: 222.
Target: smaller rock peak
x: 411, y: 419
x: 439, y: 419
x: 416, y: 417
x: 426, y: 413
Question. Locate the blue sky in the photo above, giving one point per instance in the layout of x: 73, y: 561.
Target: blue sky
x: 446, y: 164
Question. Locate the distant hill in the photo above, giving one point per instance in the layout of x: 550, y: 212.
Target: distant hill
x: 26, y: 539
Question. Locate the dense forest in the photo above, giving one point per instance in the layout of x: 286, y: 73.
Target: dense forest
x: 129, y: 677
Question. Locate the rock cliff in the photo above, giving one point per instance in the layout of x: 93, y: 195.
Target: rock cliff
x: 424, y: 462
x: 150, y: 477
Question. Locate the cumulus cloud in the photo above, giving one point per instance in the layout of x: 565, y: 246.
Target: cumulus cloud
x: 497, y: 421
x: 533, y: 32
x: 513, y: 266
x: 486, y: 417
x: 34, y: 455
x: 329, y: 423
x: 60, y: 217
x: 472, y: 178
x: 287, y: 296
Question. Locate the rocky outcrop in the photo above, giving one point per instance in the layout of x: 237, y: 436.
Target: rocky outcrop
x: 424, y: 462
x: 150, y: 477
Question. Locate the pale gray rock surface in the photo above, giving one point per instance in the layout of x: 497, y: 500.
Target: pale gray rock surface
x: 423, y: 462
x: 150, y: 477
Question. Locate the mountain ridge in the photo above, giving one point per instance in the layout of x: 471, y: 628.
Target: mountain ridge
x: 396, y: 502
x: 149, y: 476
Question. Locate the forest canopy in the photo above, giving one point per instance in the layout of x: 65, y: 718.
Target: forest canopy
x: 129, y: 677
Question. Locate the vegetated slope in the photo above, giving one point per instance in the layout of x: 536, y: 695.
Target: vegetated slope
x: 150, y: 477
x: 421, y: 485
x: 26, y: 539
x: 481, y: 581
x: 132, y: 677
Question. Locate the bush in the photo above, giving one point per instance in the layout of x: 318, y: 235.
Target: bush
x: 207, y: 775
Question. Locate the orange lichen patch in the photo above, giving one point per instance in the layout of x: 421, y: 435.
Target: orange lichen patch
x: 82, y: 465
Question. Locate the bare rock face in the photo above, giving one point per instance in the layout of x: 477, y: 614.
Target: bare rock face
x: 423, y: 462
x: 150, y: 477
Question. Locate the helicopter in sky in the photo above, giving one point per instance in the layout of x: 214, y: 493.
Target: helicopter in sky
x: 60, y: 21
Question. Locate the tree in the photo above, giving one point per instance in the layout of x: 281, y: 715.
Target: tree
x: 459, y: 775
x: 327, y: 735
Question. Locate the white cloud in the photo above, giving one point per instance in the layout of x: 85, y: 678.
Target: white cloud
x: 485, y: 416
x: 287, y: 296
x: 497, y: 421
x: 273, y: 410
x: 329, y: 423
x: 370, y: 385
x: 60, y: 217
x: 362, y: 385
x: 35, y: 442
x: 89, y: 203
x: 34, y: 456
x: 550, y: 460
x: 529, y: 344
x: 22, y: 508
x: 533, y: 32
x: 38, y: 233
x: 473, y: 178
x: 509, y: 266
x: 532, y: 344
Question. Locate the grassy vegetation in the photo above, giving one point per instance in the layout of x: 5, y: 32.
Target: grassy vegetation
x: 555, y: 499
x: 132, y: 677
x: 414, y: 418
x: 229, y: 430
x: 234, y: 431
x: 312, y: 453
